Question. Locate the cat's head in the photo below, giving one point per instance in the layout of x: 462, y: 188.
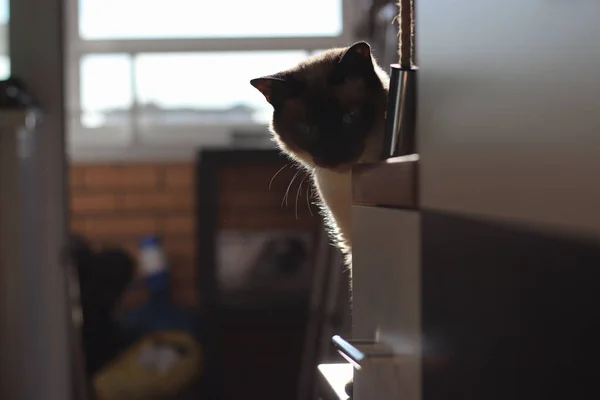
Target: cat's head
x: 327, y: 107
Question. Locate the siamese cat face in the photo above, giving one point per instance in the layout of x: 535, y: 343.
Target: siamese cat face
x: 325, y: 108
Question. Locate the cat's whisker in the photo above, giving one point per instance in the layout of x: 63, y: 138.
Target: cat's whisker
x: 309, y: 189
x: 302, y: 129
x: 276, y: 173
x: 287, y: 191
x: 298, y: 194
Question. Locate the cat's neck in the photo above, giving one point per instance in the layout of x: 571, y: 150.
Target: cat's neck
x: 335, y: 190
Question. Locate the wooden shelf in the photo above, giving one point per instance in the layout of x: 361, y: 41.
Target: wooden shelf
x: 389, y: 183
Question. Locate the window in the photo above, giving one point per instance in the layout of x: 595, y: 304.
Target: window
x: 4, y: 60
x: 201, y: 19
x: 106, y: 99
x: 151, y: 73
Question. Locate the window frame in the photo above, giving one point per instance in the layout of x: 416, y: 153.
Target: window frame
x: 4, y: 41
x: 136, y: 146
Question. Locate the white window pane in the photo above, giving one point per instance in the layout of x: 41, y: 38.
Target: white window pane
x: 206, y: 88
x: 4, y: 67
x: 106, y: 96
x: 4, y: 60
x: 106, y: 83
x: 3, y: 12
x: 153, y: 19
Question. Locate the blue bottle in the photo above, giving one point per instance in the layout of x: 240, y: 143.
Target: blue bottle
x: 153, y: 266
x: 158, y: 314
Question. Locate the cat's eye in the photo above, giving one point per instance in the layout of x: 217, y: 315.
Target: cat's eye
x: 350, y: 117
x: 304, y: 129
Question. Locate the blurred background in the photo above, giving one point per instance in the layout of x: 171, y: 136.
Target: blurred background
x: 155, y: 245
x: 198, y: 254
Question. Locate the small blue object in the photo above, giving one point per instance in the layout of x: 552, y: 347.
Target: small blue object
x: 149, y: 241
x: 158, y: 314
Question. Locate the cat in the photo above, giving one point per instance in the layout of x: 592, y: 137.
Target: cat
x: 328, y: 115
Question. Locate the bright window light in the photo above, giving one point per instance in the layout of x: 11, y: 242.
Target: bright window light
x: 173, y: 19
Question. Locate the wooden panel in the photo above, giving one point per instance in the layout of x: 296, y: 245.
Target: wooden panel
x: 262, y: 354
x: 509, y: 112
x: 391, y: 183
x: 385, y: 300
x: 508, y: 313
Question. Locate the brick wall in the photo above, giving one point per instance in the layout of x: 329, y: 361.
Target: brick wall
x: 116, y: 204
x: 113, y: 204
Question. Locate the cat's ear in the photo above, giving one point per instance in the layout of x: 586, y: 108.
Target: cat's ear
x: 274, y: 88
x: 357, y: 55
x: 356, y: 61
x: 360, y: 51
x: 265, y: 85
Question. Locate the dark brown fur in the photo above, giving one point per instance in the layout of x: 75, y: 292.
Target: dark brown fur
x: 329, y: 114
x: 326, y: 107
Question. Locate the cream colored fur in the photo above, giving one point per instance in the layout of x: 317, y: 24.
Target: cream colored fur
x: 335, y: 192
x: 335, y: 187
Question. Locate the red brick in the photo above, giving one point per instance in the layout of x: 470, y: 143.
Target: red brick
x: 180, y: 225
x: 76, y: 176
x: 259, y: 178
x: 179, y: 176
x: 92, y: 203
x: 77, y: 225
x: 171, y: 201
x: 121, y: 177
x: 119, y: 226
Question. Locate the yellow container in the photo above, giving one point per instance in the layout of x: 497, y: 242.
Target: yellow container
x: 159, y: 366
